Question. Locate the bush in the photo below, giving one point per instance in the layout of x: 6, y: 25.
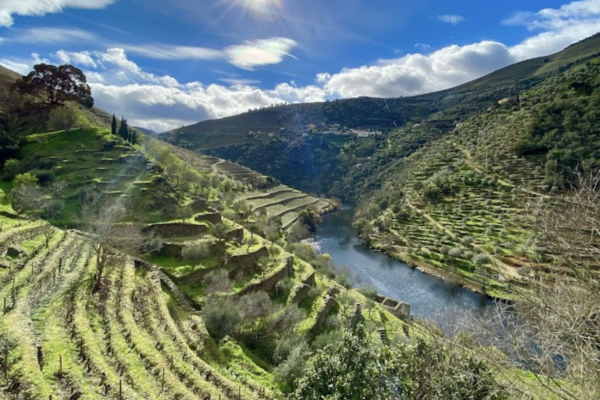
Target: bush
x: 196, y: 252
x: 286, y: 345
x: 221, y: 317
x: 292, y: 369
x: 481, y: 259
x: 11, y: 168
x: 456, y: 252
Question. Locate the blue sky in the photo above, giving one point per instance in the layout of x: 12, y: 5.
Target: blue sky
x: 165, y: 63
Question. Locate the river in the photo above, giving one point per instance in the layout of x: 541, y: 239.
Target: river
x: 429, y: 297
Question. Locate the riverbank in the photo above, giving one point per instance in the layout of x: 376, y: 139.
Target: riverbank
x: 396, y: 253
x: 431, y: 294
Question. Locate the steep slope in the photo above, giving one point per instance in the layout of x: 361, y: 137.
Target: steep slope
x: 311, y: 146
x: 465, y: 205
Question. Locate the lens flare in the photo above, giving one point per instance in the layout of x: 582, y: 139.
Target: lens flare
x: 268, y: 7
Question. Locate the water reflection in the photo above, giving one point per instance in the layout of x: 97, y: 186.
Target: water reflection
x: 429, y: 297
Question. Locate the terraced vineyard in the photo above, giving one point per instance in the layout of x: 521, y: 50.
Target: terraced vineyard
x: 277, y: 201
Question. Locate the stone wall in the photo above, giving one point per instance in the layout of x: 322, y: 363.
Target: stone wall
x: 212, y: 217
x: 267, y: 284
x: 301, y: 291
x: 171, y: 250
x: 176, y: 229
x: 324, y: 312
x: 397, y: 308
x: 199, y: 205
x: 181, y: 298
x: 250, y: 257
x: 236, y: 234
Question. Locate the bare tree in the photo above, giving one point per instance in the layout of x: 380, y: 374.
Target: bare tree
x: 110, y: 236
x: 553, y: 330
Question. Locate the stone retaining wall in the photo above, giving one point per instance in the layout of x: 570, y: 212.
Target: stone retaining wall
x: 176, y: 229
x: 250, y: 257
x: 267, y: 284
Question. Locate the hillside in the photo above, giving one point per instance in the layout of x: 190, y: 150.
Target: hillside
x: 450, y: 189
x: 315, y: 139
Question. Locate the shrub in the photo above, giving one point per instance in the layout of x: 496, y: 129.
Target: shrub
x: 456, y: 252
x: 481, y: 259
x: 221, y: 316
x: 286, y: 345
x: 467, y: 240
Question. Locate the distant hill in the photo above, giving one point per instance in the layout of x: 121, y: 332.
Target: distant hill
x: 375, y: 113
x: 146, y: 131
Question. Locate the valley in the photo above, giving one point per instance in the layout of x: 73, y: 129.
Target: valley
x: 203, y: 262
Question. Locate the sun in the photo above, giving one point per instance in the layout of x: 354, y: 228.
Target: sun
x: 269, y: 7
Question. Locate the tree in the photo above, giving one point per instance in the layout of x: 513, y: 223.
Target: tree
x: 217, y: 282
x: 220, y: 232
x: 63, y: 119
x: 360, y: 369
x: 221, y: 316
x: 56, y: 85
x: 124, y: 129
x: 113, y: 125
x: 110, y: 237
x: 196, y: 252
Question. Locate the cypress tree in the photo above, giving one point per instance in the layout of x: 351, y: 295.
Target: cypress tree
x: 133, y: 137
x: 113, y: 126
x: 123, y: 129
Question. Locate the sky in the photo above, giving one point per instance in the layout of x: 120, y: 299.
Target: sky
x: 167, y: 63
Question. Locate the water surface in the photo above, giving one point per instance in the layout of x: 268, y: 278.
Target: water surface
x: 428, y: 296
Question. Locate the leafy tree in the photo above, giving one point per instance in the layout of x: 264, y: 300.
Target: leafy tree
x: 217, y: 282
x: 56, y: 84
x: 113, y: 125
x: 26, y: 179
x: 11, y: 168
x: 360, y: 369
x: 63, y: 119
x: 221, y: 316
x: 196, y: 252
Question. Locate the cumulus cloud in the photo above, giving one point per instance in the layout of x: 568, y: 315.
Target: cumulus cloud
x: 83, y: 58
x: 10, y: 8
x: 260, y: 52
x: 453, y: 65
x: 161, y: 102
x: 450, y: 19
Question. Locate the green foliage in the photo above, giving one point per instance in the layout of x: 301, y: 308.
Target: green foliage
x: 359, y: 369
x: 196, y: 252
x: 56, y: 84
x: 26, y: 179
x: 11, y: 169
x: 222, y: 316
x: 113, y: 125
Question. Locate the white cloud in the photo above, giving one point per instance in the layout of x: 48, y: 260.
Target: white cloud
x: 247, y: 55
x: 50, y: 36
x: 260, y: 52
x: 167, y: 52
x: 83, y: 58
x: 41, y: 7
x: 451, y: 66
x: 450, y: 19
x: 21, y: 66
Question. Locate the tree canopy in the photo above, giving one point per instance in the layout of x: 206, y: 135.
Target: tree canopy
x: 56, y: 84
